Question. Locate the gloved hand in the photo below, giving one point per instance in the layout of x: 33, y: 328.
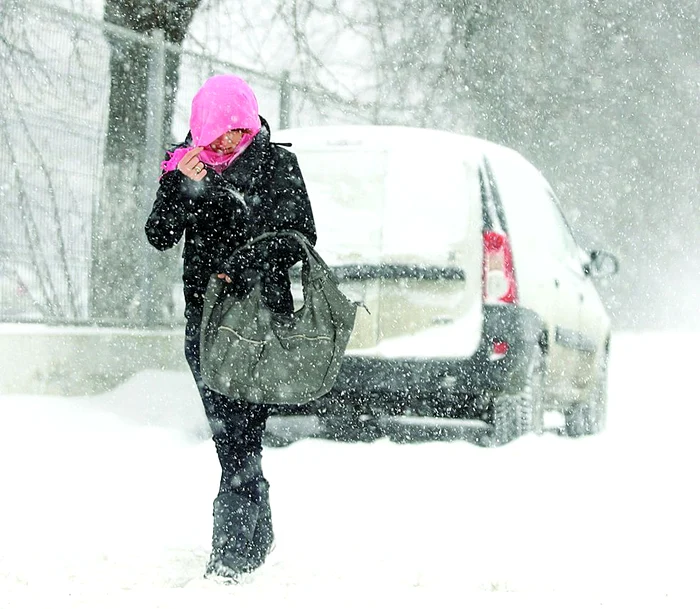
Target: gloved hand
x: 267, y: 257
x: 241, y: 283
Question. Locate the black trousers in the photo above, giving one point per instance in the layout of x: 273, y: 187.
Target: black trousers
x: 237, y: 429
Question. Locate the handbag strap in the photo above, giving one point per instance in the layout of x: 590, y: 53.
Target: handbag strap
x: 314, y: 265
x: 270, y: 234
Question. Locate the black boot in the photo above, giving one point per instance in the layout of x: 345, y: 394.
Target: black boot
x: 242, y: 536
x: 235, y: 520
x: 263, y: 536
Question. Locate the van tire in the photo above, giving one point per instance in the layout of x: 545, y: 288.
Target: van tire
x: 506, y: 419
x: 515, y: 415
x: 532, y: 399
x: 588, y: 418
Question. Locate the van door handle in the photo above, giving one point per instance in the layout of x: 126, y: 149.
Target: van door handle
x: 556, y: 283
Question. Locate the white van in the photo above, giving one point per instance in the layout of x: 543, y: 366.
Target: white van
x: 481, y: 305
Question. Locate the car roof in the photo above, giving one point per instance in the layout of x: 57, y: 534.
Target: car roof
x: 385, y: 137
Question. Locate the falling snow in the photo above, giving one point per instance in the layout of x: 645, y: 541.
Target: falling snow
x: 106, y: 500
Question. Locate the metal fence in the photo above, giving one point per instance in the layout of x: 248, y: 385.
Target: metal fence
x: 75, y: 190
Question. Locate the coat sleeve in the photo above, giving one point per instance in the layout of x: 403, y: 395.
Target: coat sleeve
x: 180, y: 201
x: 291, y: 210
x: 166, y: 223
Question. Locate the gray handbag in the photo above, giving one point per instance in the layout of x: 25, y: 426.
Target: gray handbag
x: 250, y: 353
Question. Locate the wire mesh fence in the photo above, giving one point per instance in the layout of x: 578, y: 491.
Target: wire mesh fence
x: 88, y: 109
x: 52, y: 128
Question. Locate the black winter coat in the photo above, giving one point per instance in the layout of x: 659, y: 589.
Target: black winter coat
x: 262, y: 190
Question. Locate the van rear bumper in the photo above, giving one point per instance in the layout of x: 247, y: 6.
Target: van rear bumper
x: 397, y: 386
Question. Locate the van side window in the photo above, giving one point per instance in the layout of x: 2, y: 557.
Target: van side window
x: 563, y: 228
x: 536, y: 224
x: 531, y: 215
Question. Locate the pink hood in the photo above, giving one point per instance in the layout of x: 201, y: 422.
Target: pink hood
x: 224, y: 102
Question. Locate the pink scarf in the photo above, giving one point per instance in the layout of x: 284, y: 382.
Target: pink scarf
x: 224, y: 102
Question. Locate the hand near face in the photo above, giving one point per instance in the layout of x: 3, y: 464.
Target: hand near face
x: 191, y: 166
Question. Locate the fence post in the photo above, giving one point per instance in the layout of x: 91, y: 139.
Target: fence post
x: 285, y: 99
x: 153, y: 151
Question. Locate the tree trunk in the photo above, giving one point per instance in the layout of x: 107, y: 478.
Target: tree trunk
x: 118, y: 259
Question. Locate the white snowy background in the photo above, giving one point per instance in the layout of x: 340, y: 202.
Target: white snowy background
x: 106, y: 502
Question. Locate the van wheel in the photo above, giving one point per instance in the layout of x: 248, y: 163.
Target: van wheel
x: 588, y: 418
x: 515, y: 415
x: 506, y: 419
x: 532, y: 398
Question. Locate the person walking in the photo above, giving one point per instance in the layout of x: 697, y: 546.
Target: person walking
x: 226, y: 184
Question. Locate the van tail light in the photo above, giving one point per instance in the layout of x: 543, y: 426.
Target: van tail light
x: 499, y: 349
x: 498, y: 279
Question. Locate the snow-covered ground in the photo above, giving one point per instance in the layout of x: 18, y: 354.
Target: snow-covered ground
x: 106, y: 502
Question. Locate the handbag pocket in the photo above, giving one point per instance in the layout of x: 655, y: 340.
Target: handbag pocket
x: 293, y: 367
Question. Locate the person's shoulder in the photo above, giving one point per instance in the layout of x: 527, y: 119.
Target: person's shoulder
x: 282, y: 150
x: 280, y: 154
x: 284, y: 159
